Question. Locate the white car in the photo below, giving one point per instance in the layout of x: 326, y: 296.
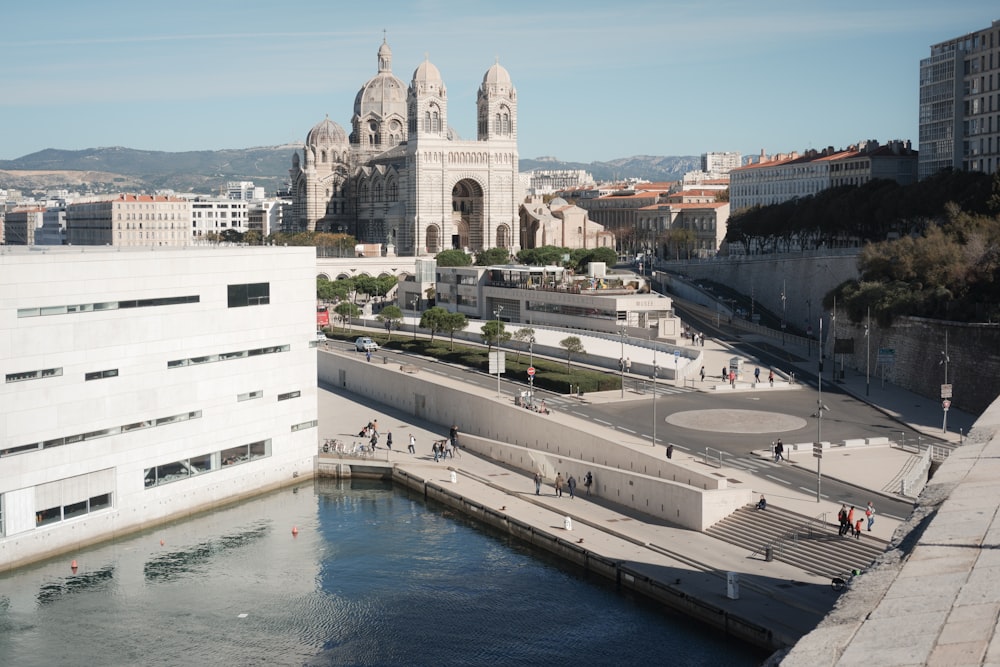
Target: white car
x: 320, y: 337
x: 365, y: 344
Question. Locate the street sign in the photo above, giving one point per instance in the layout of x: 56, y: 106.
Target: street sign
x: 946, y: 404
x: 531, y: 371
x: 886, y: 355
x: 817, y: 450
x: 946, y: 391
x: 498, y: 362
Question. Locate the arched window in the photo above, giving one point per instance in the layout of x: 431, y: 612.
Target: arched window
x: 427, y: 122
x: 322, y: 157
x: 378, y: 192
x: 437, y: 122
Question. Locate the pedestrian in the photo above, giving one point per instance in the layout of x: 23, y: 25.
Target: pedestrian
x: 732, y: 379
x: 435, y: 450
x: 571, y: 485
x: 538, y: 484
x: 701, y: 339
x: 850, y: 520
x: 621, y: 364
x: 368, y: 355
x: 842, y: 519
x: 373, y: 424
x: 770, y: 377
x: 779, y: 451
x: 388, y: 440
x: 756, y: 375
x: 702, y: 373
x: 559, y: 484
x: 449, y: 451
x: 413, y: 445
x: 588, y: 479
x: 725, y: 374
x: 857, y: 529
x: 870, y: 514
x: 374, y: 440
x: 453, y: 435
x: 670, y: 450
x: 628, y: 365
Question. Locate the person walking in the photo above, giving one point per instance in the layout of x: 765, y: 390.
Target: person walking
x: 770, y: 377
x: 702, y: 373
x: 779, y: 450
x: 571, y: 485
x: 449, y: 451
x: 453, y: 435
x: 725, y: 374
x: 857, y: 529
x: 374, y: 439
x: 842, y: 518
x: 559, y: 484
x: 756, y: 375
x: 628, y: 365
x: 436, y: 451
x: 588, y: 479
x: 368, y: 355
x: 850, y: 520
x: 732, y: 379
x: 388, y: 440
x: 538, y: 484
x: 870, y: 515
x: 670, y: 451
x: 413, y: 445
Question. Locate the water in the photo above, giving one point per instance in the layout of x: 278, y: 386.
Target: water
x: 374, y: 577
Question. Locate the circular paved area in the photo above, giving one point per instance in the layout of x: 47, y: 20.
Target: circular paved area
x: 736, y: 421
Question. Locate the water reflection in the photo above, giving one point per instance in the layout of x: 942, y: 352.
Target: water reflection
x: 53, y: 591
x: 199, y: 556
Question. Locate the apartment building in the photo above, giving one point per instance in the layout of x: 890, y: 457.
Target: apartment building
x: 22, y: 223
x: 960, y: 104
x: 211, y: 217
x: 142, y: 384
x: 129, y: 220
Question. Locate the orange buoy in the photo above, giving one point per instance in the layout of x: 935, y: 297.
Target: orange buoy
x: 161, y: 543
x: 72, y: 566
x: 295, y: 530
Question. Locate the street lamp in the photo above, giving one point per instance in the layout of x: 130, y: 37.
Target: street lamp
x: 868, y: 347
x: 782, y: 312
x: 655, y: 373
x: 945, y: 388
x: 621, y: 360
x: 499, y: 309
x: 413, y: 307
x: 531, y: 363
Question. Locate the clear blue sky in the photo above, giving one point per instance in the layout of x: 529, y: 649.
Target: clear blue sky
x: 595, y: 80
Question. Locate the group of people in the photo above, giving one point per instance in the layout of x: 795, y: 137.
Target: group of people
x: 852, y: 525
x: 560, y: 482
x: 446, y: 447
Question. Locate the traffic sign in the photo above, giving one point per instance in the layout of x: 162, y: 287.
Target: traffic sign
x: 946, y: 404
x: 946, y: 391
x: 886, y: 355
x: 531, y: 371
x: 817, y: 450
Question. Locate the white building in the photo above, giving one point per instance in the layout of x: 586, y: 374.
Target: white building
x: 143, y: 385
x: 212, y: 216
x: 720, y: 163
x: 129, y: 220
x: 244, y: 191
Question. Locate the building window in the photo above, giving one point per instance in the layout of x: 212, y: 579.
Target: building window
x: 250, y: 395
x: 304, y: 425
x: 288, y: 395
x: 34, y: 375
x: 100, y: 375
x: 250, y: 294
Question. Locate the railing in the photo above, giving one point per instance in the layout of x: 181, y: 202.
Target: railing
x: 709, y: 458
x: 793, y: 535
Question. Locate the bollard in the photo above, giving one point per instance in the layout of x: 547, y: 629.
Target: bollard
x: 385, y: 360
x: 733, y: 585
x: 568, y: 523
x: 769, y: 553
x: 454, y: 477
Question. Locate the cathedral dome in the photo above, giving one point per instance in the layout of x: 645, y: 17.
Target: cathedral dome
x: 497, y: 75
x: 426, y: 72
x: 326, y: 133
x: 557, y: 202
x: 383, y: 95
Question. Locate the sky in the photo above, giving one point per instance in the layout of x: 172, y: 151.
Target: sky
x: 595, y: 80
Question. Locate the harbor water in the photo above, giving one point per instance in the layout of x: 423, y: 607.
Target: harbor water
x: 334, y: 572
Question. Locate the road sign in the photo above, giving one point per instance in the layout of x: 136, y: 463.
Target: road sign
x: 531, y: 371
x: 946, y: 404
x: 946, y: 391
x: 817, y: 450
x: 886, y: 355
x: 498, y: 362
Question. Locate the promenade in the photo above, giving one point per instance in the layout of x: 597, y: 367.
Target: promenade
x: 778, y: 596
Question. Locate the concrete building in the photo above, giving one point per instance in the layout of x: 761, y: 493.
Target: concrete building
x: 720, y: 163
x: 403, y: 178
x: 22, y: 223
x: 129, y: 220
x: 141, y: 386
x: 211, y: 217
x: 960, y: 104
x: 560, y: 224
x: 548, y: 181
x: 683, y: 227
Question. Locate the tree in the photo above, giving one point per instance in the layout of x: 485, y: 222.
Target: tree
x: 391, y: 317
x: 367, y: 285
x: 452, y: 323
x: 252, y: 237
x: 434, y: 319
x: 453, y: 258
x: 494, y: 333
x: 346, y: 310
x: 548, y: 255
x: 572, y: 345
x: 492, y: 256
x: 523, y: 335
x: 231, y: 236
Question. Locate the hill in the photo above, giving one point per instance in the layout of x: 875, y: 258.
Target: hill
x: 116, y: 168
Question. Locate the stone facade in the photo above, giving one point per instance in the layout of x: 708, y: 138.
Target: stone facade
x: 403, y: 178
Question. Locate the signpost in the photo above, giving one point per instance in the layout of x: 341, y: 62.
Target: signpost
x: 531, y: 384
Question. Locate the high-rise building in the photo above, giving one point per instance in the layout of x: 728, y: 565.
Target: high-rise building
x: 960, y: 104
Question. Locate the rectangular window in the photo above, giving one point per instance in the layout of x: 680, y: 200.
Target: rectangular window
x: 304, y: 425
x: 75, y: 509
x: 235, y: 455
x: 250, y: 294
x: 47, y: 516
x: 100, y: 375
x: 288, y: 395
x: 250, y: 395
x: 107, y: 305
x: 34, y: 375
x: 100, y: 502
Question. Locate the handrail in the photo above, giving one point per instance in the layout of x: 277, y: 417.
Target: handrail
x: 706, y: 456
x: 792, y: 534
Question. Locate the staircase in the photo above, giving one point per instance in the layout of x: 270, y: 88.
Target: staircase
x: 810, y: 544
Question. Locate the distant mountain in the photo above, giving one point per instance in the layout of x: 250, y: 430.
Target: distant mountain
x: 117, y: 169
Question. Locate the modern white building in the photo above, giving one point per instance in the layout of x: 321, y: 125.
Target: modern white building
x: 144, y: 384
x: 212, y: 216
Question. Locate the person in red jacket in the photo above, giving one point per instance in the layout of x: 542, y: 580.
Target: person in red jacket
x: 857, y: 529
x: 850, y: 519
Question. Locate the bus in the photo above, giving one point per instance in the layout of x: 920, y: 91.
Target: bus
x: 322, y: 317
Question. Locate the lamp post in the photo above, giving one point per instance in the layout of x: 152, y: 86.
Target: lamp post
x: 819, y: 416
x: 413, y: 307
x: 621, y: 360
x: 868, y: 347
x: 945, y: 388
x: 782, y: 313
x: 531, y: 363
x: 499, y: 309
x: 655, y: 373
x: 809, y: 319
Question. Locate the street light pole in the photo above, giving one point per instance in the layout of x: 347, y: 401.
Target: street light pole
x: 868, y: 348
x: 413, y: 307
x: 531, y: 363
x: 497, y: 312
x: 819, y: 414
x: 655, y: 373
x: 621, y: 360
x: 782, y: 312
x: 944, y: 398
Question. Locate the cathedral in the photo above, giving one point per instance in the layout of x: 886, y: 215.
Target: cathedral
x: 403, y: 178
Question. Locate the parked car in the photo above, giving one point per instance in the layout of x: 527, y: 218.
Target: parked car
x: 321, y: 336
x: 365, y: 344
